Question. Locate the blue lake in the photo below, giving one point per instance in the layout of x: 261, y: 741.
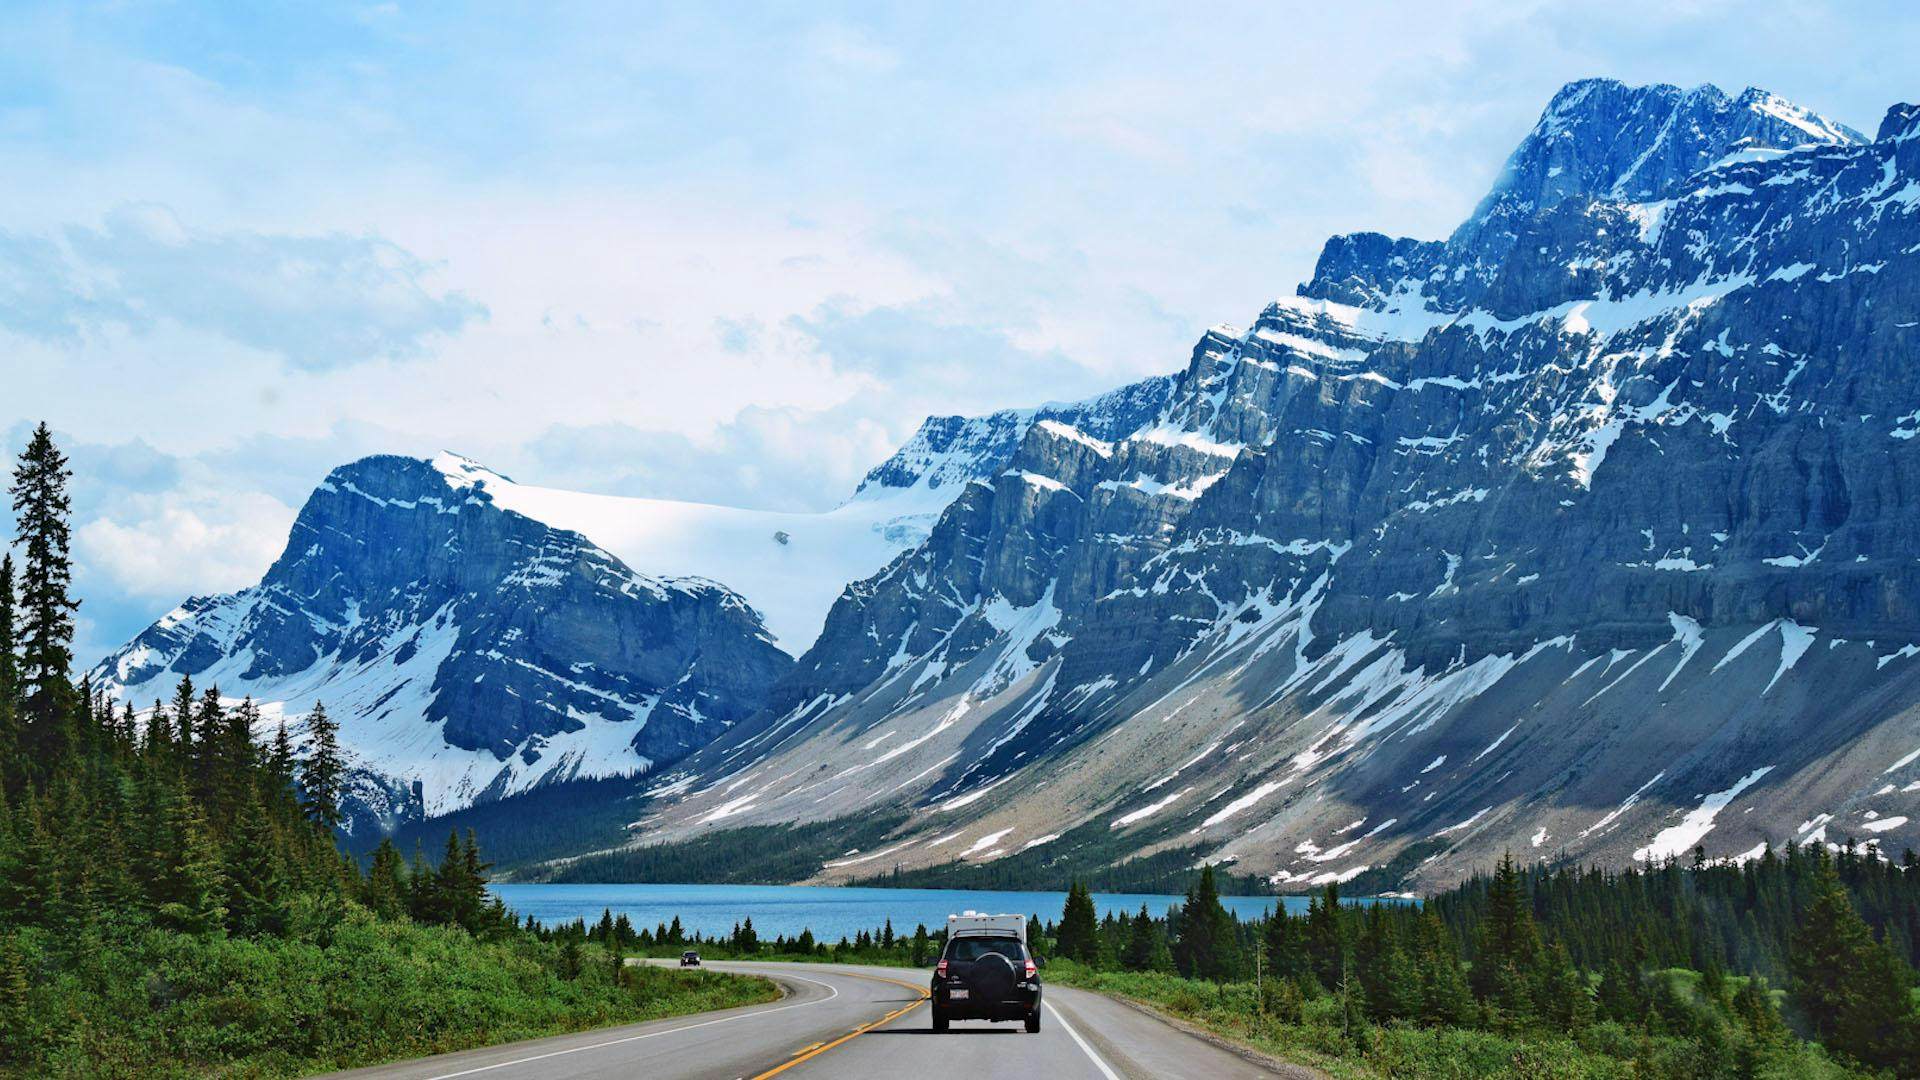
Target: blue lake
x: 829, y: 911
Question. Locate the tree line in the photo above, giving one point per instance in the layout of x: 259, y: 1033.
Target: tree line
x: 181, y: 819
x: 1688, y: 952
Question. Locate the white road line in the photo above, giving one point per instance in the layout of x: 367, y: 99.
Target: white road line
x: 832, y: 992
x: 1088, y: 1050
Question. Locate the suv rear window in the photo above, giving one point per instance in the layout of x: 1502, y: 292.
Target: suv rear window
x: 973, y: 948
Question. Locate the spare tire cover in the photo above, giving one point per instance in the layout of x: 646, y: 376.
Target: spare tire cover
x: 991, y: 978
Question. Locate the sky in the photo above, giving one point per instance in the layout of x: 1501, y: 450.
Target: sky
x: 726, y: 253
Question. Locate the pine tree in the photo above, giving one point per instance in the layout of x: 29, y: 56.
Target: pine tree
x: 1141, y: 934
x: 1852, y: 989
x: 41, y: 509
x: 279, y: 774
x: 1444, y: 996
x: 1207, y: 947
x: 571, y: 960
x: 1509, y: 943
x: 1327, y: 945
x: 921, y: 946
x: 383, y: 891
x: 257, y: 884
x: 1284, y: 948
x: 189, y: 891
x: 324, y: 772
x: 1561, y: 992
x: 1077, y: 938
x: 1620, y: 998
x: 182, y: 713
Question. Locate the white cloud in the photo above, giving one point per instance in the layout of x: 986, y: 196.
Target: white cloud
x: 178, y: 543
x: 317, y: 301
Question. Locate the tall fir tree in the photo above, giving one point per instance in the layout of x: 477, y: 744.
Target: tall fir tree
x: 41, y: 509
x: 323, y: 774
x: 1328, y: 946
x: 1208, y: 945
x: 1852, y: 990
x: 1078, y: 934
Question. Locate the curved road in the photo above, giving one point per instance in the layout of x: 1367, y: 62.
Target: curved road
x: 845, y: 1021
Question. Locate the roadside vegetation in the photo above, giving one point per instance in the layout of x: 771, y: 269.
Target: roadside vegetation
x: 1794, y: 964
x: 1540, y: 973
x: 173, y: 903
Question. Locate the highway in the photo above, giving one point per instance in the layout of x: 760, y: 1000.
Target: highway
x: 846, y: 1021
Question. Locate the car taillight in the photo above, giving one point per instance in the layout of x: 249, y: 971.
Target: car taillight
x: 1031, y: 969
x: 940, y: 969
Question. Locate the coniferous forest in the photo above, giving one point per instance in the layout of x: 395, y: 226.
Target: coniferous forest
x: 173, y: 902
x: 1798, y: 963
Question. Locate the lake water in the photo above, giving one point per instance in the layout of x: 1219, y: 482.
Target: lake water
x: 829, y: 911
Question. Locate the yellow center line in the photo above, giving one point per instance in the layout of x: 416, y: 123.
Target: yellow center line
x: 820, y: 1048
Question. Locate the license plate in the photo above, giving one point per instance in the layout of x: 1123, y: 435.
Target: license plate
x: 956, y: 995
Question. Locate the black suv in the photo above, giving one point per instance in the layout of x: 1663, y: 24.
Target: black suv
x: 986, y: 977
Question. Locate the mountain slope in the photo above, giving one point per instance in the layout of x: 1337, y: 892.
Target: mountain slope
x: 467, y: 651
x: 1587, y: 531
x: 478, y: 636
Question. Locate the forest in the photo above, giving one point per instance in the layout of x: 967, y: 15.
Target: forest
x: 173, y: 900
x: 1795, y: 964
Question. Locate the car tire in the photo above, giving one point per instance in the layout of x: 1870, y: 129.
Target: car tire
x: 939, y: 1022
x: 1033, y: 1021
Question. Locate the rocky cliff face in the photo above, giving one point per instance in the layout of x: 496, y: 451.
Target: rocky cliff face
x: 1586, y: 531
x: 467, y: 651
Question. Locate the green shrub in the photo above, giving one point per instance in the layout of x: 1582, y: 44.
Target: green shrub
x: 360, y: 991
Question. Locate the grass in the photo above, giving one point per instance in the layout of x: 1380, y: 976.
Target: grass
x: 160, y: 1004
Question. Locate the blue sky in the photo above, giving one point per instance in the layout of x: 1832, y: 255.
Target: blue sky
x: 731, y: 253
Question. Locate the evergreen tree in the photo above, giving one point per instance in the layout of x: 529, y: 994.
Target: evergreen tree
x: 571, y: 960
x: 1077, y: 938
x: 1507, y: 946
x: 1620, y: 998
x: 182, y: 713
x: 1208, y: 946
x: 257, y: 884
x: 41, y: 509
x: 1327, y: 945
x: 1284, y: 947
x: 921, y: 950
x: 1444, y: 996
x: 324, y: 772
x: 189, y: 890
x: 1852, y: 990
x: 1141, y: 939
x: 384, y: 889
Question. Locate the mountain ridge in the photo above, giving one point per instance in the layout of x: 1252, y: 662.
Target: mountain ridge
x: 1438, y: 493
x: 1556, y: 534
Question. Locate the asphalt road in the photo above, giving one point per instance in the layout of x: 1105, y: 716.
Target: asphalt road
x: 851, y: 1022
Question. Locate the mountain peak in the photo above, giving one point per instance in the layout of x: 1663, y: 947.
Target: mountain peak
x: 1902, y: 122
x: 1604, y: 139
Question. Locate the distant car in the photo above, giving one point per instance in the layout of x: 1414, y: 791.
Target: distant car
x: 986, y: 973
x: 689, y: 959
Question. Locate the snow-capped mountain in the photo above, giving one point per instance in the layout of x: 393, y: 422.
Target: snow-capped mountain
x: 1587, y: 532
x: 477, y: 637
x: 467, y: 650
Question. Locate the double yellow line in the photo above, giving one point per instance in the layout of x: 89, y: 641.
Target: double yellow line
x: 817, y: 1049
